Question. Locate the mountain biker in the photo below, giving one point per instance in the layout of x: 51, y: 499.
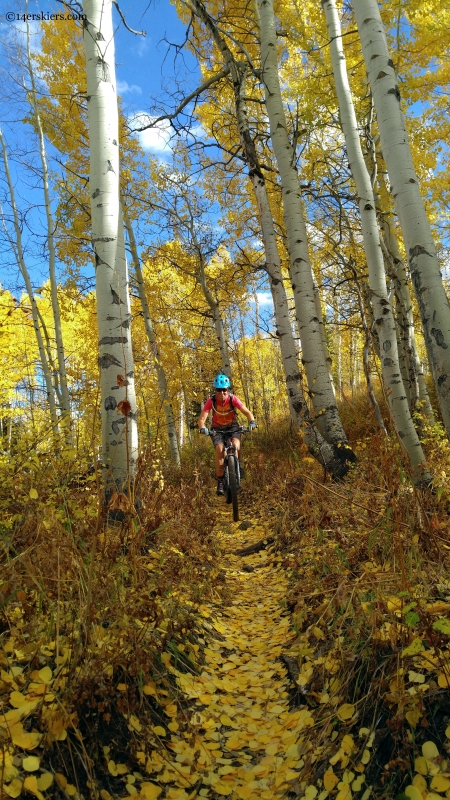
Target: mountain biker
x: 224, y: 424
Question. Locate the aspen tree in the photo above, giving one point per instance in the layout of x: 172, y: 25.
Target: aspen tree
x: 153, y: 344
x: 62, y: 376
x: 319, y: 384
x: 334, y: 459
x: 215, y: 309
x: 384, y: 317
x: 117, y: 391
x: 17, y: 247
x: 421, y: 252
x: 390, y: 243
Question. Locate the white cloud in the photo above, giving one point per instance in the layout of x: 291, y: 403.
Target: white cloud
x: 157, y: 139
x: 264, y: 299
x: 123, y: 87
x: 198, y: 131
x: 143, y: 46
x: 17, y: 31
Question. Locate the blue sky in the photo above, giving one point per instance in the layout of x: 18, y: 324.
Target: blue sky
x: 146, y: 71
x: 146, y: 66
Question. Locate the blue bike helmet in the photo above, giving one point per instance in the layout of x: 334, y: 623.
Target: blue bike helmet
x: 222, y: 381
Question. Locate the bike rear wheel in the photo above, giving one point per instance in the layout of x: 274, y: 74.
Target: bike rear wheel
x: 233, y: 486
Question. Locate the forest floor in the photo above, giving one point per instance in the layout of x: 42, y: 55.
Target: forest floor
x: 300, y: 653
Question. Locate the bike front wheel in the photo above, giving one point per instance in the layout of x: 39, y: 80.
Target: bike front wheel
x: 233, y: 486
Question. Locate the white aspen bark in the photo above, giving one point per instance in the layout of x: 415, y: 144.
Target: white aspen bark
x: 117, y: 390
x: 62, y: 376
x: 19, y: 255
x: 326, y: 352
x: 421, y: 252
x: 319, y: 385
x: 384, y: 318
x: 181, y: 421
x: 153, y: 343
x: 399, y: 268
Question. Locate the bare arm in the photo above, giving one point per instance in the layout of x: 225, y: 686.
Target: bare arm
x: 202, y: 419
x: 247, y: 413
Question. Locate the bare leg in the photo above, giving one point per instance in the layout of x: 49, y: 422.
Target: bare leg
x: 219, y: 460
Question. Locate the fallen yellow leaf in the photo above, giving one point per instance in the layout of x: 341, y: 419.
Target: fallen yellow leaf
x: 413, y: 793
x: 330, y: 780
x: 421, y: 766
x: 17, y: 699
x: 440, y: 783
x: 413, y: 716
x: 150, y: 791
x: 61, y: 780
x: 346, y: 711
x: 420, y: 782
x: 31, y: 763
x: 45, y: 674
x: 429, y: 750
x: 30, y: 784
x: 45, y: 781
x: 14, y: 788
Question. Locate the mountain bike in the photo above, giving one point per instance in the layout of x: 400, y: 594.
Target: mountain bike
x: 232, y: 474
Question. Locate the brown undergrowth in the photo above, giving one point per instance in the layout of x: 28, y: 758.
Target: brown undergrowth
x: 83, y: 649
x: 91, y: 658
x: 370, y: 602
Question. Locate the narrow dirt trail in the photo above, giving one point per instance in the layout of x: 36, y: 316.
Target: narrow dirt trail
x: 245, y: 742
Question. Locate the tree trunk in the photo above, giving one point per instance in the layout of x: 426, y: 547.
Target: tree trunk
x: 181, y: 421
x: 62, y: 376
x: 320, y: 387
x: 154, y: 349
x: 384, y: 318
x: 20, y: 259
x: 323, y: 336
x: 417, y: 377
x: 422, y: 258
x: 217, y: 318
x: 117, y: 389
x: 51, y: 363
x: 366, y: 357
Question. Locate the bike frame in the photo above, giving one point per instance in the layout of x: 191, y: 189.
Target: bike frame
x: 230, y: 452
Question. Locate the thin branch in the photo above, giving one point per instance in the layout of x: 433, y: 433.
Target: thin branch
x: 186, y: 100
x: 137, y: 33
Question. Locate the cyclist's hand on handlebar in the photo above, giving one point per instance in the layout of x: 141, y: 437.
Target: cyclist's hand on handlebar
x: 205, y: 431
x: 252, y: 425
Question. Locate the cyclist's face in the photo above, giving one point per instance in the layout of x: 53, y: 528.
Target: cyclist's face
x: 221, y: 391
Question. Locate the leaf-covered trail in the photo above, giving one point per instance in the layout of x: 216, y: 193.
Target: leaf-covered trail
x: 246, y: 742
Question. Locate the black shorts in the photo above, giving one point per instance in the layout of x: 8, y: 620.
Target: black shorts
x: 220, y: 435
